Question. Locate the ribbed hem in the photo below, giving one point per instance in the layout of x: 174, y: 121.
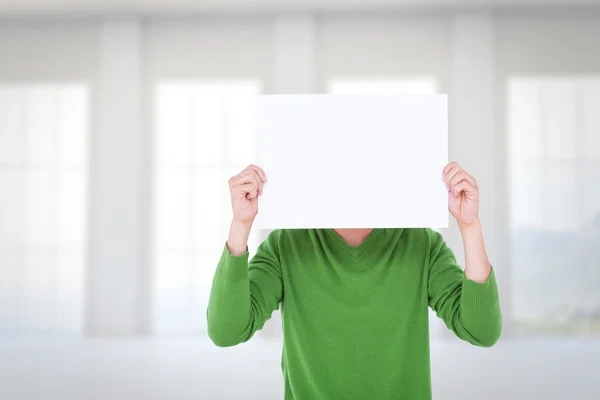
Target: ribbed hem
x: 233, y: 268
x: 480, y: 296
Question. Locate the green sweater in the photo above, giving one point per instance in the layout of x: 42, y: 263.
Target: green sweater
x: 355, y: 319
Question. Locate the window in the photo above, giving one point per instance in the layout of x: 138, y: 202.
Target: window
x: 383, y: 86
x: 204, y: 135
x: 43, y: 198
x: 554, y: 161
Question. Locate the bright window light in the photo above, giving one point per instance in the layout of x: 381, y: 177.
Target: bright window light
x: 554, y: 190
x: 422, y: 85
x: 204, y: 135
x: 43, y: 199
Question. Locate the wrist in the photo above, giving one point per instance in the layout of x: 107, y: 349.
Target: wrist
x: 239, y: 232
x: 472, y: 226
x: 240, y: 225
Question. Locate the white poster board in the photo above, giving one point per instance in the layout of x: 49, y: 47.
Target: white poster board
x: 352, y: 161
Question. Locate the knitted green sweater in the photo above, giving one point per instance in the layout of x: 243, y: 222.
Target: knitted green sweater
x: 355, y: 319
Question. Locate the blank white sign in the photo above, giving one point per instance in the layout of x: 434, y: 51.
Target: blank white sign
x: 353, y: 161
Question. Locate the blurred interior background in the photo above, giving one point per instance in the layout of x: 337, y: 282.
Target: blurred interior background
x: 121, y: 121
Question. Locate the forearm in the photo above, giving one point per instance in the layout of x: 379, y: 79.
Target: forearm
x: 481, y: 318
x: 229, y: 310
x: 244, y: 293
x: 477, y: 264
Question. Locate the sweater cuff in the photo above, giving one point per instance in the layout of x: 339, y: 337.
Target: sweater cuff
x: 480, y: 296
x: 233, y: 268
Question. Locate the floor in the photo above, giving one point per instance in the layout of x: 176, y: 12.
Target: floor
x: 192, y: 368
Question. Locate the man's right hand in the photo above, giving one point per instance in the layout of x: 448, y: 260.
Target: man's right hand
x: 245, y: 188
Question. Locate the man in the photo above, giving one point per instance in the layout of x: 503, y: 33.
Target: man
x: 354, y: 301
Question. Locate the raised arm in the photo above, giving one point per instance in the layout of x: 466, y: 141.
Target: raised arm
x: 469, y: 308
x: 244, y: 292
x: 468, y: 301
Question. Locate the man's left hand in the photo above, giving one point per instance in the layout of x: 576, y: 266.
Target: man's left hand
x: 463, y: 194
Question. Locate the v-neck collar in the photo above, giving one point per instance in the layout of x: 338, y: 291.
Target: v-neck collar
x: 354, y: 251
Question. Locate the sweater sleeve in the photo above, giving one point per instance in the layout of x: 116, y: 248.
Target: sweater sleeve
x: 244, y: 293
x: 470, y: 309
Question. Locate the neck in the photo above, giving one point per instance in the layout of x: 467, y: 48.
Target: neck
x: 354, y: 237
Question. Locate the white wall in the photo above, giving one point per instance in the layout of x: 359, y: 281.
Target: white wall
x: 383, y: 46
x: 49, y: 50
x: 118, y: 201
x: 53, y: 7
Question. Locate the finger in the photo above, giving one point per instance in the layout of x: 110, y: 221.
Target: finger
x: 258, y: 180
x: 462, y: 176
x: 249, y: 190
x: 247, y: 176
x: 260, y: 172
x: 237, y: 180
x: 252, y: 195
x: 262, y: 178
x: 456, y: 190
x: 247, y: 187
x: 451, y: 173
x: 250, y: 175
x: 463, y: 186
x: 448, y: 167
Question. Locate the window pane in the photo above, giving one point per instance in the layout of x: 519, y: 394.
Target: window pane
x: 591, y: 120
x: 559, y: 103
x: 527, y: 197
x: 11, y: 125
x: 588, y: 240
x: 71, y: 208
x: 173, y: 292
x: 41, y: 126
x: 173, y: 208
x: 10, y: 283
x: 211, y: 197
x: 524, y: 113
x: 174, y: 124
x: 72, y: 119
x: 540, y: 284
x: 11, y: 207
x: 346, y: 87
x: 241, y: 106
x: 40, y: 206
x: 561, y: 195
x: 69, y: 290
x: 39, y: 282
x: 417, y: 85
x: 209, y: 124
x: 590, y: 192
x: 231, y: 172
